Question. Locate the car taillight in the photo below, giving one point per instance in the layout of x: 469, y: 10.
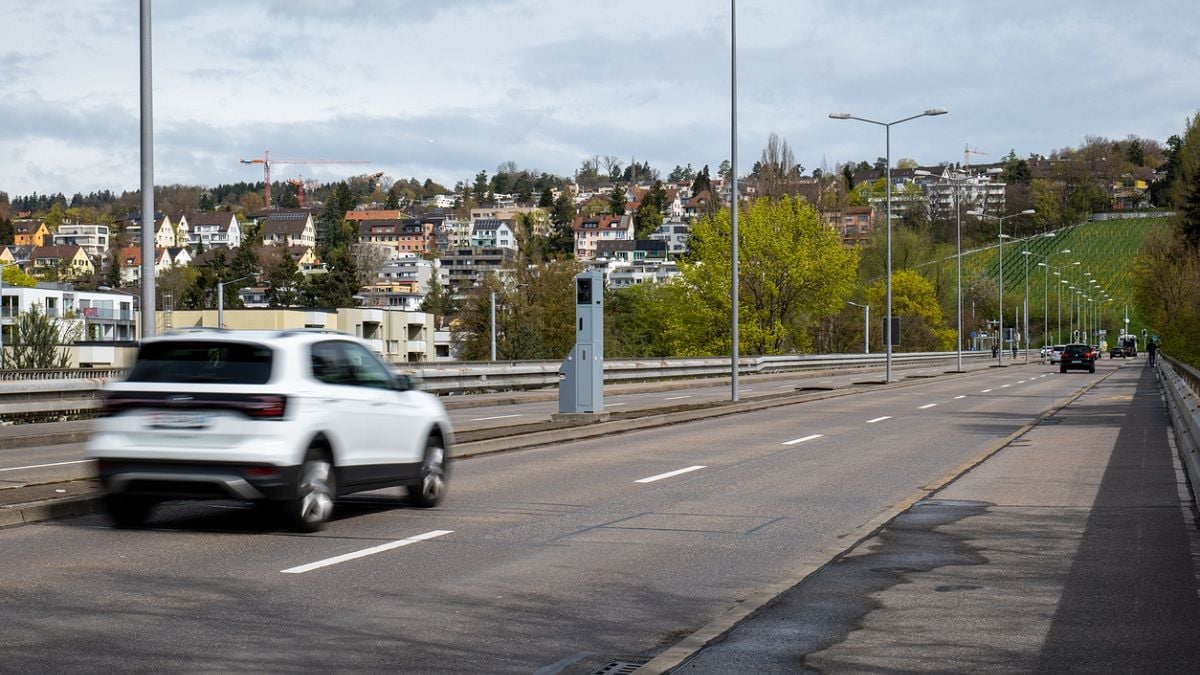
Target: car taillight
x: 270, y: 407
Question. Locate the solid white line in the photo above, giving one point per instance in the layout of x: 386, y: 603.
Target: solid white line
x: 1021, y: 382
x: 801, y: 440
x: 928, y: 405
x: 497, y: 417
x: 879, y: 419
x: 670, y: 474
x: 958, y: 397
x: 1005, y: 385
x: 985, y: 391
x: 672, y: 398
x: 365, y: 552
x: 43, y: 466
x: 609, y: 405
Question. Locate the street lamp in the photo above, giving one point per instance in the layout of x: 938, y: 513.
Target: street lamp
x: 866, y: 325
x: 2, y: 266
x: 1002, y: 237
x: 887, y: 326
x: 221, y: 298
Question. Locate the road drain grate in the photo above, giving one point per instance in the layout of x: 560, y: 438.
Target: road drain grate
x: 622, y: 667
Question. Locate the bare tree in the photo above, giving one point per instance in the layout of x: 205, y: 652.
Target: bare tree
x: 368, y: 260
x: 778, y: 172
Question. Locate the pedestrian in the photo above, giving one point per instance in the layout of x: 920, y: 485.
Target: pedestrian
x: 1152, y: 349
x: 995, y: 351
x: 1014, y: 350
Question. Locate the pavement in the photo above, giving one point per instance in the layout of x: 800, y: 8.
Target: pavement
x: 1072, y: 548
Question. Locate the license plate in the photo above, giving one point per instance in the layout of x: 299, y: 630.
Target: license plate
x: 175, y: 420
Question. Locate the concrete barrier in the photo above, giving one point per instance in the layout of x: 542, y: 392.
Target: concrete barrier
x: 1181, y: 382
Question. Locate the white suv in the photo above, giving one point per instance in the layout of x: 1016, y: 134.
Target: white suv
x: 293, y: 417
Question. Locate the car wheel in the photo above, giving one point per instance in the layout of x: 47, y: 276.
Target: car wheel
x: 1062, y: 369
x: 316, y: 487
x: 127, y: 511
x: 432, y: 489
x: 1092, y: 369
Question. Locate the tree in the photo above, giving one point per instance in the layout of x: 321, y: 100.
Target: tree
x: 915, y: 303
x: 331, y: 224
x: 479, y: 189
x: 649, y: 219
x: 616, y: 201
x: 794, y: 270
x: 36, y: 341
x: 724, y: 169
x: 562, y: 217
x: 534, y: 314
x: 438, y: 301
x: 14, y: 277
x: 1189, y: 217
x: 546, y: 199
x: 284, y: 280
x: 703, y: 183
x: 368, y: 260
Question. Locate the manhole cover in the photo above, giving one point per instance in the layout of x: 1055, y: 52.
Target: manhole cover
x: 622, y: 667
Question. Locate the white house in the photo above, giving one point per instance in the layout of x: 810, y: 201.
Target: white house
x: 289, y: 227
x: 93, y: 238
x: 214, y: 228
x: 488, y: 232
x: 101, y: 316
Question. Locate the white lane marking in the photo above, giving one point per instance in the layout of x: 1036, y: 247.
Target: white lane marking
x: 671, y: 474
x: 609, y: 405
x: 958, y: 397
x: 1005, y: 385
x: 879, y: 419
x: 928, y: 405
x: 672, y: 398
x: 1021, y: 382
x: 825, y: 381
x: 801, y: 440
x: 43, y: 466
x: 496, y: 417
x: 985, y: 391
x: 747, y: 390
x: 365, y: 552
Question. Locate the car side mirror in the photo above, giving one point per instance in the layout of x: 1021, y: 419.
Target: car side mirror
x: 402, y: 382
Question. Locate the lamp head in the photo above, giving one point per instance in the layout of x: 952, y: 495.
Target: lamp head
x: 933, y: 112
x: 839, y: 116
x: 1028, y: 212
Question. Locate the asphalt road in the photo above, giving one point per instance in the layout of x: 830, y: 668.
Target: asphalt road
x: 554, y: 559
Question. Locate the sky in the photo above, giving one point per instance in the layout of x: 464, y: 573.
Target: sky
x: 443, y: 89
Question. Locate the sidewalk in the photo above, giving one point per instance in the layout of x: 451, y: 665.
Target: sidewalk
x: 1073, y: 549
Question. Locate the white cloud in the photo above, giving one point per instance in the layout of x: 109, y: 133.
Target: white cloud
x: 547, y: 84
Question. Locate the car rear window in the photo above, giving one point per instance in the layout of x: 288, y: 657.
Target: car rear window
x: 1075, y: 350
x: 202, y: 361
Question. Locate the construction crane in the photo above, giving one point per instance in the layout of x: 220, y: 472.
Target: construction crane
x: 266, y: 161
x: 300, y: 184
x: 967, y: 152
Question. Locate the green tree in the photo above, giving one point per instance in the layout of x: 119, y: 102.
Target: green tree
x: 546, y: 200
x: 703, y: 183
x: 649, y: 219
x: 616, y: 201
x: 438, y: 301
x: 332, y: 231
x: 37, y: 341
x: 284, y: 280
x: 794, y: 270
x: 562, y: 218
x: 7, y: 235
x: 14, y: 277
x: 914, y: 301
x: 535, y: 314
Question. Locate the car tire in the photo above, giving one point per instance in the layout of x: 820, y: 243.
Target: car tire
x: 316, y: 487
x: 127, y: 511
x: 1092, y: 369
x: 1062, y: 369
x: 434, y: 474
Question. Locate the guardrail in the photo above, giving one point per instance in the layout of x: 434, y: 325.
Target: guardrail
x: 1182, y: 383
x: 34, y: 396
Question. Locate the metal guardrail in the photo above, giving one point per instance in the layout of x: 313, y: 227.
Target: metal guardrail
x: 1182, y: 384
x: 29, y: 396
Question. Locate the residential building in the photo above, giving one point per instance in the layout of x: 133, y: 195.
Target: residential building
x: 487, y: 232
x: 632, y: 251
x: 31, y: 233
x: 467, y: 267
x: 359, y: 215
x: 697, y: 206
x: 398, y: 336
x: 169, y: 230
x: 97, y: 316
x: 92, y: 237
x: 628, y: 275
x: 61, y: 263
x: 214, y: 229
x: 590, y: 230
x: 403, y: 235
x: 130, y: 259
x: 289, y: 227
x: 977, y: 191
x: 854, y: 223
x: 675, y: 234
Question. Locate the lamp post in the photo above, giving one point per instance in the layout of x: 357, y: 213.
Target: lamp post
x: 221, y: 298
x: 492, y: 314
x: 866, y: 325
x: 888, y: 338
x: 1002, y: 237
x: 2, y: 266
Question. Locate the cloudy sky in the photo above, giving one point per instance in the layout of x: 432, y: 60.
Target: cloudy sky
x: 445, y: 88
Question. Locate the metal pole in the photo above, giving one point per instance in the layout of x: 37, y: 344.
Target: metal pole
x: 888, y: 338
x: 867, y: 331
x: 2, y: 316
x: 1025, y: 308
x: 958, y: 267
x: 493, y: 324
x: 1000, y: 325
x: 220, y: 304
x: 148, y: 326
x: 733, y: 197
x: 1046, y: 306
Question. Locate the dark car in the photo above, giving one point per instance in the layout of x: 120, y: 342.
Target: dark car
x: 1079, y: 356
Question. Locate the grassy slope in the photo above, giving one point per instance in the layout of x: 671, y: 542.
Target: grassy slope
x: 1105, y: 249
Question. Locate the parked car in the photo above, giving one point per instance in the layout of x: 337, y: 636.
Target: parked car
x: 1078, y: 356
x: 1056, y: 353
x: 294, y: 418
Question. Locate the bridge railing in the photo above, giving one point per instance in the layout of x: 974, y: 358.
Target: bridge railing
x: 1182, y: 384
x: 33, y: 396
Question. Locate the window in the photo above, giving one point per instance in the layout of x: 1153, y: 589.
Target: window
x: 200, y: 361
